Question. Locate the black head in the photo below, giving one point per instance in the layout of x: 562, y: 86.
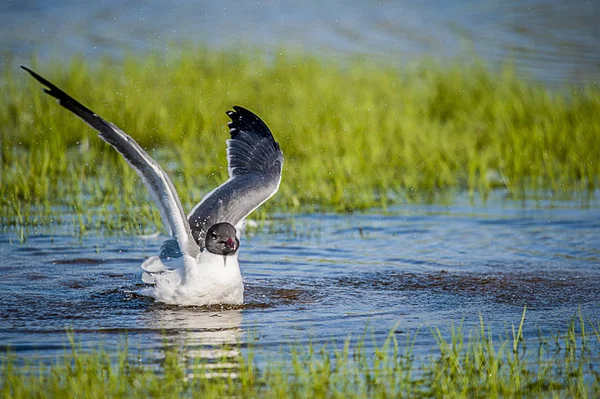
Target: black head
x: 221, y: 239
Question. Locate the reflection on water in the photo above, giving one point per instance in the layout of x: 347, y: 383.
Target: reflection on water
x: 214, y: 337
x: 196, y: 326
x: 333, y: 276
x: 555, y: 41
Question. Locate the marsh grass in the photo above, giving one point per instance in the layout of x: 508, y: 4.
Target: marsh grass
x: 355, y: 135
x: 479, y: 364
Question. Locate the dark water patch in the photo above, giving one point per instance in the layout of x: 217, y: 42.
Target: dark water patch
x: 270, y: 295
x: 339, y: 251
x: 123, y: 297
x: 77, y: 261
x: 32, y: 251
x: 288, y: 248
x: 17, y: 348
x: 410, y: 231
x: 114, y: 275
x: 533, y: 222
x: 36, y: 276
x: 414, y: 262
x: 514, y: 289
x: 361, y: 230
x: 76, y: 285
x: 516, y: 221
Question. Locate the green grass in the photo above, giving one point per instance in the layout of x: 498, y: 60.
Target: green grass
x: 354, y: 136
x: 480, y: 366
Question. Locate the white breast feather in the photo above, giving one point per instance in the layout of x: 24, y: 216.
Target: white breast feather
x: 209, y: 279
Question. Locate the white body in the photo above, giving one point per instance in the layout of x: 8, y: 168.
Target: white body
x: 208, y: 279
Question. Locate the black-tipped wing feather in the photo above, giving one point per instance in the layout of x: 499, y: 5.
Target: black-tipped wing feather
x: 254, y: 161
x: 157, y: 181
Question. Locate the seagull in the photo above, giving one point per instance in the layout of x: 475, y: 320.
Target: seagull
x: 199, y: 265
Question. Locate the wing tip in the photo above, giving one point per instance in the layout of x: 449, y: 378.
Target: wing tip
x: 35, y: 75
x: 239, y: 112
x: 243, y: 119
x: 240, y: 109
x: 49, y: 88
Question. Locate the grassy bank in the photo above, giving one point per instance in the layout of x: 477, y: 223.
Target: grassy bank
x: 482, y: 366
x: 354, y: 136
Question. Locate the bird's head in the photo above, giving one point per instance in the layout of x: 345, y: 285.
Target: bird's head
x: 221, y: 239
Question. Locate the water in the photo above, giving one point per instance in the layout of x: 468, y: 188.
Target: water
x: 318, y: 279
x: 553, y: 41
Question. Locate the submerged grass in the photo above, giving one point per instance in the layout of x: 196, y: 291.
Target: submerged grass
x: 354, y: 136
x: 481, y: 366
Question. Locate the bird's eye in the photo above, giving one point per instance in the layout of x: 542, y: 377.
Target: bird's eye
x: 214, y: 235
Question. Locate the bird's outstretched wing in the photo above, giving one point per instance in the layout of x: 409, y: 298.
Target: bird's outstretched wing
x: 254, y: 161
x: 156, y: 180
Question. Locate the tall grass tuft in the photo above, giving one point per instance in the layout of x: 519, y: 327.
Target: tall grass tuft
x: 475, y: 365
x: 354, y: 136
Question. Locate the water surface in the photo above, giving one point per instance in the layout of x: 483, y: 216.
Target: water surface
x: 323, y: 277
x: 553, y: 41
